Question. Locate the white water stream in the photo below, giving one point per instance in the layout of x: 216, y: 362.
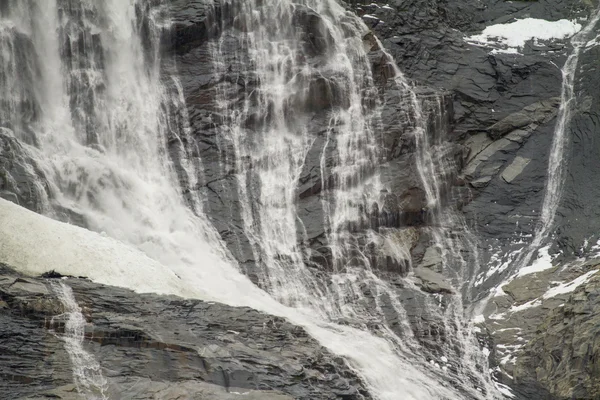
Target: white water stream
x: 87, y: 373
x: 450, y: 234
x: 556, y: 159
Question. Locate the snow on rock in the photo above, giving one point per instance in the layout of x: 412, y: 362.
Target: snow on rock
x: 569, y: 286
x: 543, y: 262
x: 478, y: 319
x: 34, y: 244
x: 507, y: 38
x: 505, y: 390
x: 523, y: 307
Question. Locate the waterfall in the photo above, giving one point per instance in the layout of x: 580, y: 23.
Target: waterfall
x: 105, y: 117
x: 450, y: 234
x: 560, y: 141
x: 87, y: 373
x: 289, y: 82
x: 270, y: 155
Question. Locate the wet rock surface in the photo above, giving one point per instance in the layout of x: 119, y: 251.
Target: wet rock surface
x: 500, y: 110
x: 157, y: 347
x: 21, y: 180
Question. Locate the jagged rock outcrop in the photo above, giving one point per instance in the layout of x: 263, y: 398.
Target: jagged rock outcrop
x: 534, y: 332
x: 562, y: 355
x: 159, y: 347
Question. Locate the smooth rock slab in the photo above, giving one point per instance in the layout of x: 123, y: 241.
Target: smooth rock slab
x: 515, y: 168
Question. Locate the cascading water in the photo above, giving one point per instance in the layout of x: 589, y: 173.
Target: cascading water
x: 270, y: 155
x: 560, y: 140
x: 285, y: 77
x: 87, y: 373
x: 102, y: 123
x: 106, y: 127
x: 450, y: 234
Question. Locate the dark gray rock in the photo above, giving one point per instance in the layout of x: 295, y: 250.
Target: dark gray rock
x: 177, y: 347
x: 21, y: 179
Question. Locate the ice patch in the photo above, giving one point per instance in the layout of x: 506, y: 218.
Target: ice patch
x: 508, y: 38
x: 74, y: 251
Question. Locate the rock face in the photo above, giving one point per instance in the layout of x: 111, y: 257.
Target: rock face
x: 494, y: 113
x: 156, y: 347
x: 21, y: 180
x: 562, y: 355
x: 539, y: 325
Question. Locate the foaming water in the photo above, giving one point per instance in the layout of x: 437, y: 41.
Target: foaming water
x: 268, y: 131
x: 107, y: 129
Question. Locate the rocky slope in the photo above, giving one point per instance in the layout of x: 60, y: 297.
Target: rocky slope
x: 157, y: 347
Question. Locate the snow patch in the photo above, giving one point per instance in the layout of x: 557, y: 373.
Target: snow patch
x: 505, y: 390
x: 523, y: 307
x: 543, y: 262
x: 508, y: 38
x: 75, y: 251
x: 569, y: 286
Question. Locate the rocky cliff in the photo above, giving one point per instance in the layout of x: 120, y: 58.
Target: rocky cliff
x: 491, y: 113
